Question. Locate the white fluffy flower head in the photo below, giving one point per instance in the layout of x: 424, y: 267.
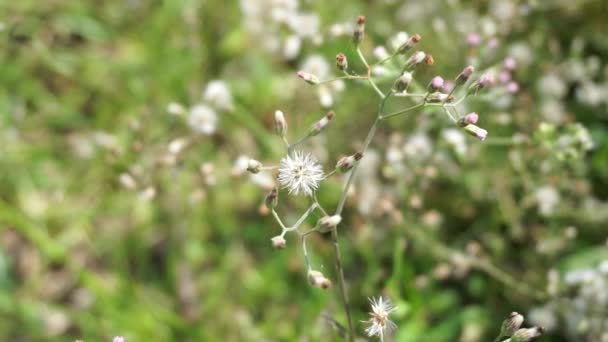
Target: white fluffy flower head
x: 300, y: 173
x: 202, y: 119
x: 379, y: 322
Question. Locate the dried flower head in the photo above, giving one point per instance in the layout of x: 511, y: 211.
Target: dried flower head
x: 300, y: 173
x: 379, y: 321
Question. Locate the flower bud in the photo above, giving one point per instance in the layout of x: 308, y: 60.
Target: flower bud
x: 429, y: 60
x: 272, y: 199
x: 408, y: 44
x: 317, y: 279
x: 477, y: 132
x: 469, y: 119
x: 280, y: 124
x: 436, y: 83
x: 278, y: 242
x: 525, y: 335
x: 485, y: 80
x: 464, y: 76
x: 327, y: 223
x: 403, y: 82
x: 345, y: 164
x: 253, y: 166
x: 308, y: 77
x: 359, y: 33
x: 341, y: 61
x: 438, y: 97
x: 320, y: 125
x: 417, y: 58
x: 511, y: 324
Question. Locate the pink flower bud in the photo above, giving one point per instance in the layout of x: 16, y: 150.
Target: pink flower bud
x: 469, y: 119
x: 308, y: 77
x: 510, y: 63
x: 278, y: 242
x: 513, y: 87
x: 464, y: 76
x: 341, y: 61
x: 477, y: 132
x: 436, y: 83
x: 473, y: 39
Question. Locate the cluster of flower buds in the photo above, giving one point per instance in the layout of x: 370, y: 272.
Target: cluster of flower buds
x: 511, y: 327
x: 280, y: 124
x: 359, y: 33
x: 405, y: 47
x: 308, y: 77
x: 327, y: 223
x: 320, y: 125
x: 272, y: 199
x: 278, y: 242
x: 403, y: 82
x: 254, y: 166
x: 317, y: 279
x: 341, y: 61
x: 345, y: 164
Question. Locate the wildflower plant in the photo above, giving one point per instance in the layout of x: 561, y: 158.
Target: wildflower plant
x: 299, y: 173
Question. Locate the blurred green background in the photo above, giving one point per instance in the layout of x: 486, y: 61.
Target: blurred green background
x: 118, y: 218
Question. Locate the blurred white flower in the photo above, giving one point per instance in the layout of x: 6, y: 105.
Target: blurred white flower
x: 379, y: 321
x: 456, y: 139
x: 419, y: 147
x: 292, y: 46
x: 202, y: 119
x: 551, y: 85
x: 547, y: 198
x: 218, y: 95
x: 300, y: 173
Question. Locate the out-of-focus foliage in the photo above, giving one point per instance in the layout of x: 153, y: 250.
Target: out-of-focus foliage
x: 124, y: 208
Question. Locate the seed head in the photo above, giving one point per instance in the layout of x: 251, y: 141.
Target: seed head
x: 300, y: 173
x: 379, y: 321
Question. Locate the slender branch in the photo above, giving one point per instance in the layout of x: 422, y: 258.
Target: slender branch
x: 403, y: 111
x: 498, y: 338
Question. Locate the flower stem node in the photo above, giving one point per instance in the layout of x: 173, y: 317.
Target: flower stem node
x: 280, y: 124
x: 438, y: 97
x: 345, y: 164
x: 464, y: 76
x: 476, y: 131
x: 341, y: 61
x: 317, y: 279
x: 278, y: 242
x: 469, y: 119
x: 272, y: 199
x: 320, y: 125
x: 327, y: 223
x: 359, y: 33
x: 308, y: 77
x: 403, y: 82
x: 254, y: 166
x: 511, y: 324
x: 405, y: 47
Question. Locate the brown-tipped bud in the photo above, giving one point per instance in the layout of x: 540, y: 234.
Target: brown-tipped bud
x: 317, y: 279
x: 405, y: 47
x: 464, y: 76
x: 278, y: 242
x: 280, y: 124
x: 511, y: 324
x: 341, y: 61
x: 525, y: 335
x: 477, y: 132
x: 254, y: 166
x: 359, y: 33
x: 403, y: 82
x: 345, y: 164
x: 469, y: 119
x: 308, y: 77
x: 327, y: 223
x: 429, y: 60
x: 486, y: 80
x: 320, y: 125
x: 272, y: 199
x: 417, y: 58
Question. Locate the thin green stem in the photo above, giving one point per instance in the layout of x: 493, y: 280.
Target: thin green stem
x: 347, y: 77
x: 498, y: 338
x: 403, y: 111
